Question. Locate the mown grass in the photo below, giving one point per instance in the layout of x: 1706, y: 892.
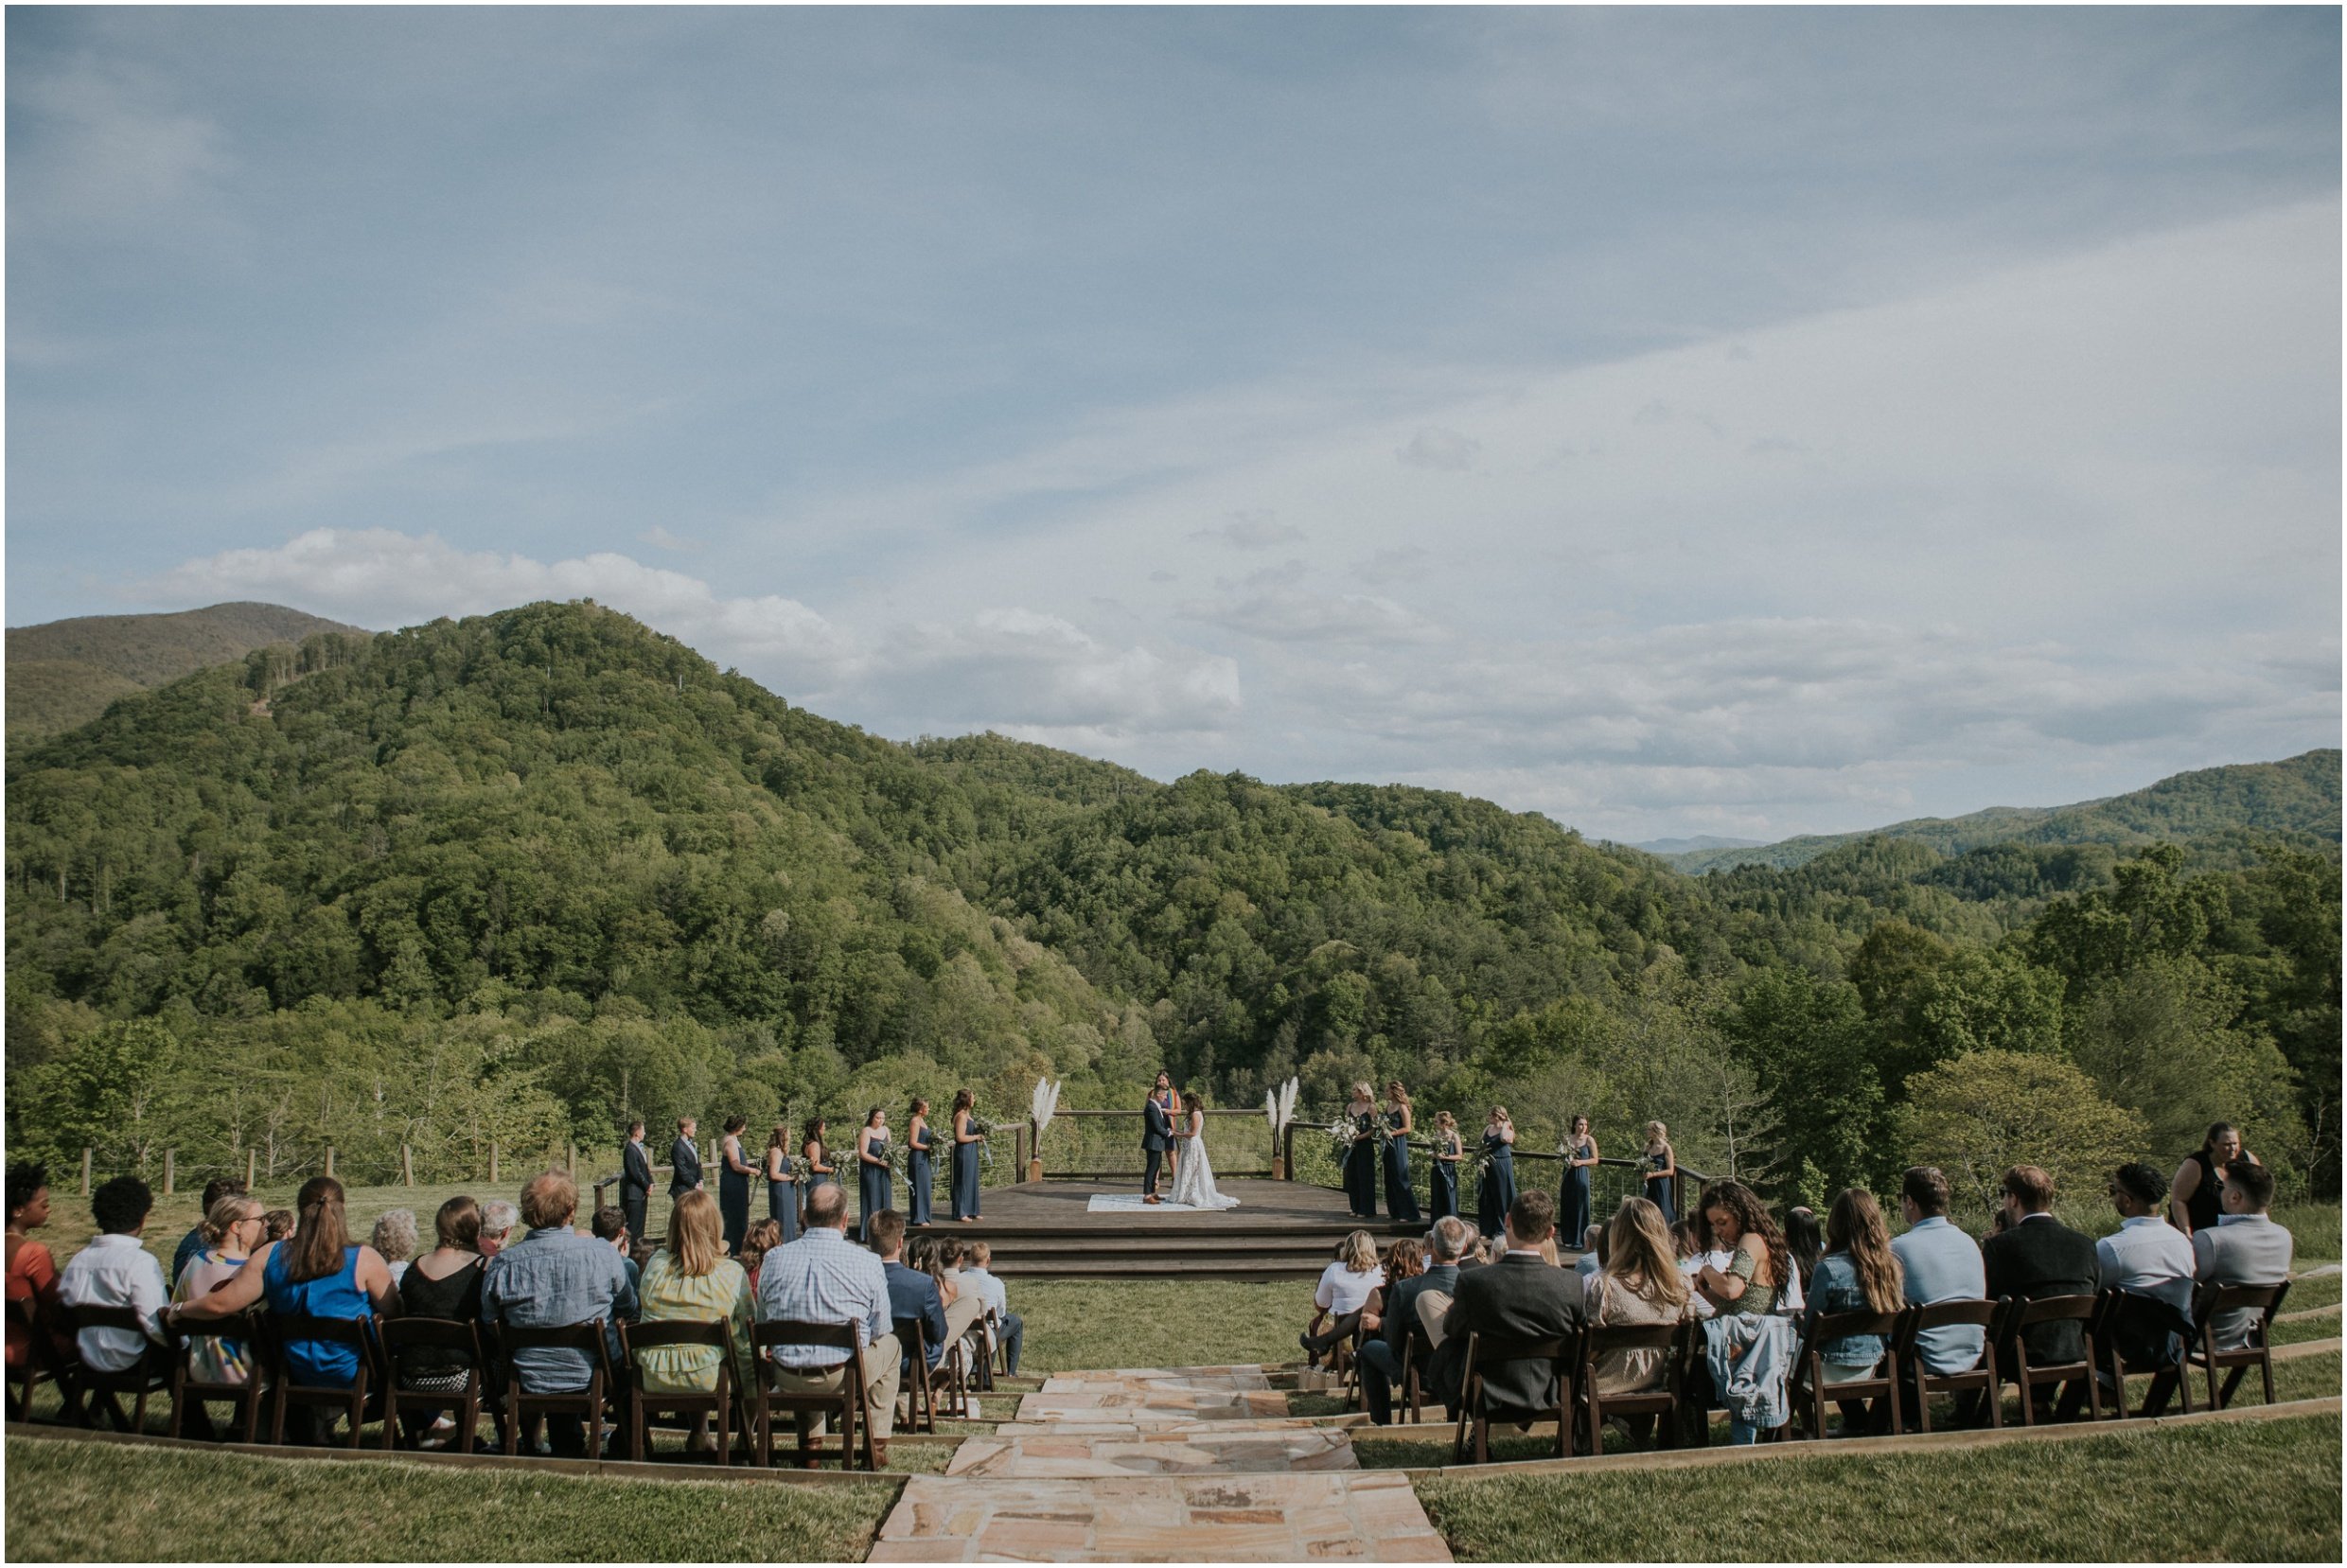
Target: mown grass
x: 2111, y: 1498
x: 84, y: 1501
x: 1084, y: 1324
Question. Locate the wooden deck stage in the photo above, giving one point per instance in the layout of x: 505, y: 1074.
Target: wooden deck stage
x: 1280, y: 1230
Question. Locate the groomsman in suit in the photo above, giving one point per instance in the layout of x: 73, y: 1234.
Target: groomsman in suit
x: 1156, y: 1138
x: 684, y: 1160
x: 2037, y: 1257
x: 1522, y: 1295
x: 635, y: 1180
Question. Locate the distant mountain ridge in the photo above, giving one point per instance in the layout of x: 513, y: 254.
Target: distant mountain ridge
x: 63, y: 673
x: 1668, y: 847
x: 2297, y: 795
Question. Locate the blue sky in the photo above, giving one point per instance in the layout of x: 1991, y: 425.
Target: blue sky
x: 1677, y: 421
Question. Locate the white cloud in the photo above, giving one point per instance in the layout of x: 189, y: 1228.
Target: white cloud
x: 1252, y: 530
x: 1436, y: 448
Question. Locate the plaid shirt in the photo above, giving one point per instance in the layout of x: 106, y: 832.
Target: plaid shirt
x: 823, y: 1278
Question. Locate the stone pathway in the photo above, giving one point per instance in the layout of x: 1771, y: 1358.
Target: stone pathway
x: 1176, y: 1464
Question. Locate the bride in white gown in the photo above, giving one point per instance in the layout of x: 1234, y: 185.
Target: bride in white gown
x: 1194, y: 1184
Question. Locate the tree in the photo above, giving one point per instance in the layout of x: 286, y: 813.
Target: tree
x: 1988, y: 1110
x: 1808, y: 1042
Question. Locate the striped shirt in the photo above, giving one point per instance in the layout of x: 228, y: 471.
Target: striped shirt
x: 672, y: 1296
x: 823, y: 1278
x: 213, y: 1360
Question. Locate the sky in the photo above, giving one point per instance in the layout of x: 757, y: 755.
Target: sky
x: 1741, y: 422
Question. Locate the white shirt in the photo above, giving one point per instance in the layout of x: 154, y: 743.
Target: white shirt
x: 2149, y: 1257
x: 116, y: 1271
x: 1342, y: 1291
x: 990, y: 1290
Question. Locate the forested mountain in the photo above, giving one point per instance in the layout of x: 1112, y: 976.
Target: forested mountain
x: 64, y: 673
x: 2300, y: 796
x: 517, y: 876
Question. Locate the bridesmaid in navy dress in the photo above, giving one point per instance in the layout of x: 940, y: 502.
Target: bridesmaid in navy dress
x: 782, y: 1188
x: 1361, y: 1155
x: 1442, y: 1181
x: 1498, y: 1193
x: 875, y: 1191
x: 1662, y: 1170
x: 815, y: 1156
x: 917, y: 1174
x: 733, y: 1173
x: 1399, y: 1201
x: 965, y: 1142
x: 1580, y: 1162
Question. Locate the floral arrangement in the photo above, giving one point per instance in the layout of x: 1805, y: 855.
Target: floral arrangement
x: 1344, y: 1133
x: 985, y: 1128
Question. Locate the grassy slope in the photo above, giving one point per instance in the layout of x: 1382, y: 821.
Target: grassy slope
x: 2109, y: 1498
x: 76, y: 1501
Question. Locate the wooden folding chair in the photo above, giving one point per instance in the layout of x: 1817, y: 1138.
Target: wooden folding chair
x: 149, y: 1375
x: 2126, y: 1319
x: 408, y: 1339
x: 188, y: 1391
x: 2014, y: 1340
x: 846, y: 1401
x: 523, y: 1409
x: 358, y: 1401
x: 645, y: 1401
x: 923, y: 1382
x: 42, y: 1362
x: 1411, y: 1394
x: 2211, y: 1302
x: 1809, y: 1367
x: 1487, y: 1351
x: 1662, y: 1403
x: 1907, y: 1352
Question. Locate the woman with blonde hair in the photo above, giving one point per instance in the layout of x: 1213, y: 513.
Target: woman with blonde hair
x: 1399, y: 1201
x: 1640, y: 1286
x: 1662, y: 1170
x: 1858, y: 1274
x: 1498, y: 1192
x: 1360, y: 1124
x: 1442, y: 1181
x: 232, y: 1229
x: 1342, y: 1295
x: 691, y: 1281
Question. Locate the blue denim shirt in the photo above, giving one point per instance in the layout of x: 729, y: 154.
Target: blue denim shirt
x: 1834, y: 1289
x: 1942, y: 1263
x: 550, y: 1278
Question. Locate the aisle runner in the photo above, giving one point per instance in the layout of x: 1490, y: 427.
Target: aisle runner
x: 1131, y: 1203
x: 1180, y: 1463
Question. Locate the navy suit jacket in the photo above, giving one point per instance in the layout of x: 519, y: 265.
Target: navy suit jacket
x: 684, y: 1168
x: 1156, y: 1129
x: 913, y: 1295
x: 1401, y: 1304
x: 635, y: 1173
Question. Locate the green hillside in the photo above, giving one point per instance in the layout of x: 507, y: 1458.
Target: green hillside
x: 2300, y: 796
x: 65, y: 673
x: 516, y: 877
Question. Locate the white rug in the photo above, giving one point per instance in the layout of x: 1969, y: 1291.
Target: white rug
x: 1130, y: 1203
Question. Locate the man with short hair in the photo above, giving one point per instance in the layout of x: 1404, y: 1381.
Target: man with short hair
x: 498, y: 1219
x: 117, y: 1270
x: 2145, y: 1254
x: 978, y: 1275
x: 550, y: 1279
x: 635, y: 1180
x: 191, y: 1245
x: 823, y: 1278
x: 684, y: 1160
x: 913, y: 1296
x: 2038, y: 1259
x: 1938, y: 1262
x: 2244, y: 1248
x: 1380, y: 1357
x: 610, y: 1224
x: 1522, y: 1295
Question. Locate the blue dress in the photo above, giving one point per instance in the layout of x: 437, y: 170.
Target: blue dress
x: 875, y: 1191
x: 1573, y: 1202
x: 1663, y: 1191
x: 1399, y: 1201
x: 1361, y: 1170
x: 1442, y: 1181
x: 317, y: 1363
x: 782, y: 1207
x: 917, y: 1175
x: 733, y: 1194
x: 966, y: 1181
x: 1498, y: 1193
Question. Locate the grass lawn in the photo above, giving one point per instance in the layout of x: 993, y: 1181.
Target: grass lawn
x: 83, y: 1501
x: 2112, y: 1498
x: 1081, y: 1323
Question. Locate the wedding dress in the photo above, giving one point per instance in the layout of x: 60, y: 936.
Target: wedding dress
x: 1194, y: 1184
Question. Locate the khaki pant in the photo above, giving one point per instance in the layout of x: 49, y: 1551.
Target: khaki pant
x: 965, y: 1311
x: 881, y: 1360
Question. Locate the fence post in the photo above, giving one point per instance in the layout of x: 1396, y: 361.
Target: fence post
x: 407, y: 1166
x: 170, y: 1172
x: 252, y: 1168
x: 85, y: 1169
x: 329, y: 1159
x: 492, y: 1162
x: 569, y: 1164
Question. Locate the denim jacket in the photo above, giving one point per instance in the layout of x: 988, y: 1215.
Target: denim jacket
x: 1834, y: 1289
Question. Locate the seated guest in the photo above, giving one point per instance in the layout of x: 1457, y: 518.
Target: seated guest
x: 2246, y: 1247
x: 943, y: 1260
x: 32, y: 1271
x: 610, y: 1224
x: 2145, y: 1254
x: 445, y: 1283
x: 822, y: 1279
x: 1592, y: 1259
x: 1804, y: 1240
x: 1938, y: 1262
x: 1640, y: 1286
x: 2040, y: 1258
x: 395, y: 1241
x: 193, y: 1242
x: 277, y: 1224
x: 319, y: 1273
x: 1342, y: 1295
x: 497, y: 1218
x: 1859, y: 1272
x: 1380, y: 1357
x: 762, y: 1237
x: 232, y: 1231
x: 691, y: 1281
x: 117, y: 1270
x: 913, y: 1294
x: 1757, y: 1265
x: 977, y: 1275
x: 552, y: 1278
x: 1404, y: 1259
x: 1518, y: 1297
